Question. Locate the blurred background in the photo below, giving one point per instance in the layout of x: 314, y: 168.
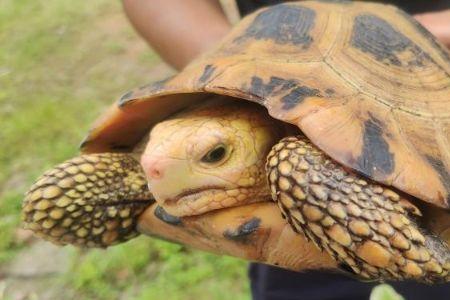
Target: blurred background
x: 61, y: 63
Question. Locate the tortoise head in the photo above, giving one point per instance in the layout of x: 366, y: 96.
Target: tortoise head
x: 210, y: 157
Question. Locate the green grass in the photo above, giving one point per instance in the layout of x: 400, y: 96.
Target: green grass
x: 61, y: 63
x: 385, y: 292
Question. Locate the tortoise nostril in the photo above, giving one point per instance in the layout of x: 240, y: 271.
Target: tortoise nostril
x: 154, y: 173
x: 153, y: 168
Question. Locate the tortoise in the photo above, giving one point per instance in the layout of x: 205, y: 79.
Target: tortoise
x: 352, y: 116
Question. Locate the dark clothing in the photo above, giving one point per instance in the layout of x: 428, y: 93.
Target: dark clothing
x: 270, y: 283
x: 410, y: 6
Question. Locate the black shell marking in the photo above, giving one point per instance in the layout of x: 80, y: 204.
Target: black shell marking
x: 374, y: 35
x: 283, y: 24
x: 278, y: 86
x: 297, y: 96
x: 125, y: 99
x: 375, y: 157
x: 275, y: 85
x: 148, y: 88
x: 207, y: 72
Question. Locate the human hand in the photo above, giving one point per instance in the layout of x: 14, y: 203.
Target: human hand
x: 438, y: 23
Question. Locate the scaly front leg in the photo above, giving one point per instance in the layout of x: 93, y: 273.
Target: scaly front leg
x: 91, y: 200
x: 362, y: 224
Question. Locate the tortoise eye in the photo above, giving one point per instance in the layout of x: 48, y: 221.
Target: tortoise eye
x: 215, y: 155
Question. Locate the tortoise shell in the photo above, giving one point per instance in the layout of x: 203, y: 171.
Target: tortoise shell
x: 364, y: 82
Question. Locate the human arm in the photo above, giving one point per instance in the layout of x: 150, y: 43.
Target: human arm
x: 438, y: 23
x: 179, y: 30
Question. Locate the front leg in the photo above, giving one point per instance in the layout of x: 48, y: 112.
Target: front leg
x: 91, y: 200
x: 362, y: 224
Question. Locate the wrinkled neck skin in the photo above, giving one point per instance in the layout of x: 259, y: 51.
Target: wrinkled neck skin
x: 254, y: 232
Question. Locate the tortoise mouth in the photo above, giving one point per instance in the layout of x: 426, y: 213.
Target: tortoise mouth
x: 198, y: 201
x: 194, y: 194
